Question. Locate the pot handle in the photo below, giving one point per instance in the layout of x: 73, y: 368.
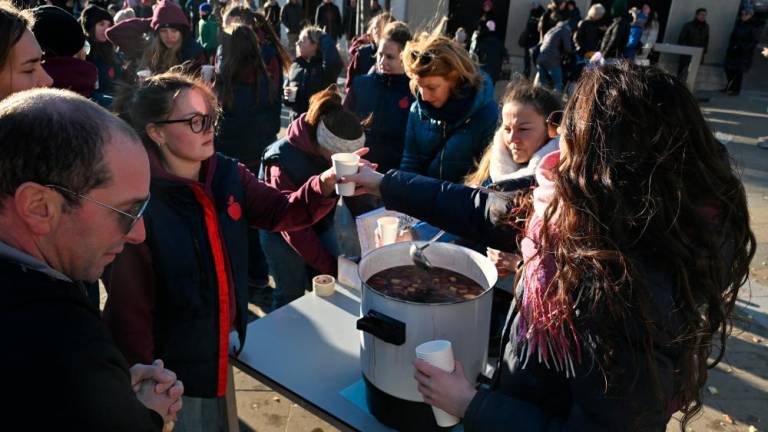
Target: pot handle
x: 383, y: 327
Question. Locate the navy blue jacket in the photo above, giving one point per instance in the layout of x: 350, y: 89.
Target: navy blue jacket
x: 314, y: 75
x: 388, y: 98
x: 449, y: 151
x: 536, y: 398
x: 250, y: 123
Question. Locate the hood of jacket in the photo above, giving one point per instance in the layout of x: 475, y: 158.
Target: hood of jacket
x: 483, y: 96
x: 71, y: 73
x: 299, y: 135
x: 168, y: 13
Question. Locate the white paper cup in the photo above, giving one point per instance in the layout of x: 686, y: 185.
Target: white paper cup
x: 290, y: 93
x: 323, y: 285
x: 388, y: 227
x: 206, y: 72
x: 143, y: 74
x: 345, y: 164
x: 439, y: 353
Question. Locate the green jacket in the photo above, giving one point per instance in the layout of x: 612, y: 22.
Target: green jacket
x: 209, y: 35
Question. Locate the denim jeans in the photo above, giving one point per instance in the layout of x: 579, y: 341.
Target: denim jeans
x: 550, y: 77
x: 291, y: 273
x: 202, y: 415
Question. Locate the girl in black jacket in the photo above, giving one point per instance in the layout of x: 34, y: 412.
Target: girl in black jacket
x: 632, y: 264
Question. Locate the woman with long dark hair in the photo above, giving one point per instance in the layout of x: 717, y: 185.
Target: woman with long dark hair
x: 250, y: 100
x: 635, y: 244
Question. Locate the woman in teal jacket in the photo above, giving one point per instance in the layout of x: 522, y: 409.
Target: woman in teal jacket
x: 454, y: 116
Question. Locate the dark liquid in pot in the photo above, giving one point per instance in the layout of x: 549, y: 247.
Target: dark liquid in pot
x: 414, y: 284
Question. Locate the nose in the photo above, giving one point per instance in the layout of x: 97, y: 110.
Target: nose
x: 44, y: 80
x: 137, y: 234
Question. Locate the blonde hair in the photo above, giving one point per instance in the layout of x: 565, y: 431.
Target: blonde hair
x: 596, y: 11
x: 444, y: 57
x: 376, y: 24
x: 312, y: 32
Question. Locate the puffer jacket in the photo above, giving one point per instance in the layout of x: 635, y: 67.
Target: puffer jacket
x: 556, y: 44
x: 449, y: 150
x: 251, y: 121
x: 616, y: 38
x: 313, y: 75
x: 388, y: 98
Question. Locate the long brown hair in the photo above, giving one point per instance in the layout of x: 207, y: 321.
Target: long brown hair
x: 158, y: 58
x: 13, y: 24
x: 644, y: 179
x: 241, y: 55
x: 263, y: 29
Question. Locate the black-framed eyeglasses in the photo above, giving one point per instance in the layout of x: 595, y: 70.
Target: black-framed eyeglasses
x: 555, y: 118
x: 422, y: 58
x: 130, y: 219
x: 198, y: 122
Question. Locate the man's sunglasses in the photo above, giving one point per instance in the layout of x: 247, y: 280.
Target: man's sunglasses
x: 129, y: 220
x: 198, y: 122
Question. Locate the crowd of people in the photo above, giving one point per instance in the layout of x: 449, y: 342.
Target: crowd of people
x: 140, y: 147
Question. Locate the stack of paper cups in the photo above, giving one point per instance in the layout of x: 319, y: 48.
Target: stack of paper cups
x: 345, y: 164
x: 388, y: 227
x: 323, y: 285
x: 439, y: 353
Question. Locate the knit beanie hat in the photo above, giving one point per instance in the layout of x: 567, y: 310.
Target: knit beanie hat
x: 57, y: 31
x: 205, y: 9
x: 93, y: 15
x: 168, y: 14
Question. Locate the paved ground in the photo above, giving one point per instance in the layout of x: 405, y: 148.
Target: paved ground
x: 737, y: 390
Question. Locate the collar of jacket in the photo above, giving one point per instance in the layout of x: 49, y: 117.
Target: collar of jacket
x: 483, y: 96
x: 207, y: 168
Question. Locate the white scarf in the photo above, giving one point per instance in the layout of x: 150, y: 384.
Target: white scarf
x: 504, y: 168
x: 327, y: 140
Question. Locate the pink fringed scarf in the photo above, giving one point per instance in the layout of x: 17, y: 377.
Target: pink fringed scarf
x: 545, y: 328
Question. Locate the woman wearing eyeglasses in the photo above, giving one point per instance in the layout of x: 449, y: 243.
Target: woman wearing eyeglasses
x: 454, y: 116
x: 180, y: 293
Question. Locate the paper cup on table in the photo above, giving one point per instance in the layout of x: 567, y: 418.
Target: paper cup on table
x: 206, y: 72
x: 323, y: 285
x: 439, y: 353
x: 143, y: 74
x: 345, y: 164
x: 388, y: 227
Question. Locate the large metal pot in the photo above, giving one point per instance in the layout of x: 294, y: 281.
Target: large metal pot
x: 392, y: 328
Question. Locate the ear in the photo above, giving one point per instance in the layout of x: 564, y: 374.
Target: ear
x: 155, y: 133
x: 38, y: 207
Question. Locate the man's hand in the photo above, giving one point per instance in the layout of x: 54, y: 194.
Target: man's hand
x: 164, y: 383
x: 159, y: 403
x: 156, y: 372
